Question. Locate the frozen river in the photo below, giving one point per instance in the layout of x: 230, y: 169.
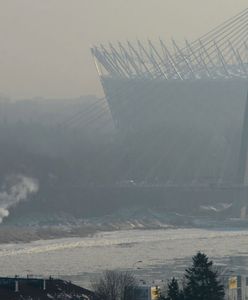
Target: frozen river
x: 152, y: 254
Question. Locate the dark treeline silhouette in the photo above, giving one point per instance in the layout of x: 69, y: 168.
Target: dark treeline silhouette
x: 200, y: 282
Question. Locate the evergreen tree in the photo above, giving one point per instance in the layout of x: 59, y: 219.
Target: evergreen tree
x: 173, y: 292
x: 202, y: 281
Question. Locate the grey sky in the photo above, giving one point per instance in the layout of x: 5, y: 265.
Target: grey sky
x: 44, y: 44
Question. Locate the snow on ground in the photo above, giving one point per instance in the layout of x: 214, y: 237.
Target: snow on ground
x: 157, y: 249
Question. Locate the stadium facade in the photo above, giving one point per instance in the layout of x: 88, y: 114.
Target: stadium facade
x: 186, y: 106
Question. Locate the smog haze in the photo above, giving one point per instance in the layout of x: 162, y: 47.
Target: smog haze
x: 45, y: 45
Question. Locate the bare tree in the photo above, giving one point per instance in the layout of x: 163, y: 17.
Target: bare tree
x: 115, y: 285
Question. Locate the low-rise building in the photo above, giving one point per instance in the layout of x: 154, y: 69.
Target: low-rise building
x: 16, y: 288
x: 146, y: 292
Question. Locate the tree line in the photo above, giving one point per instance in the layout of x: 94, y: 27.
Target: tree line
x: 200, y: 282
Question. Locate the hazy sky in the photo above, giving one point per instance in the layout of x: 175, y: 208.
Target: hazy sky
x: 44, y: 44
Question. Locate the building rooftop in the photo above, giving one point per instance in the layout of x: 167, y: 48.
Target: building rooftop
x: 42, y: 289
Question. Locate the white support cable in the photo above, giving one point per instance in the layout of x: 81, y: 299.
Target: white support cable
x: 169, y: 68
x: 244, y: 52
x: 99, y: 56
x: 173, y: 64
x: 153, y: 61
x: 144, y: 53
x: 160, y: 58
x: 125, y: 57
x: 133, y: 64
x: 210, y: 45
x: 185, y: 59
x: 223, y: 40
x: 238, y: 38
x: 199, y: 60
x: 246, y: 47
x: 217, y: 31
x: 91, y: 122
x: 221, y: 31
x: 117, y: 63
x: 157, y: 65
x: 120, y: 60
x: 233, y: 57
x: 136, y: 59
x: 98, y: 68
x: 139, y: 59
x: 238, y: 58
x: 96, y: 115
x: 104, y: 60
x: 110, y: 59
x: 222, y: 60
x: 238, y: 42
x: 203, y: 50
x: 241, y: 62
x: 84, y: 114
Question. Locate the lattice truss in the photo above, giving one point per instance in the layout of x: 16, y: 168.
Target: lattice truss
x: 221, y: 53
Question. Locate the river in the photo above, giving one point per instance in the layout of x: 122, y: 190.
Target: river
x: 150, y: 254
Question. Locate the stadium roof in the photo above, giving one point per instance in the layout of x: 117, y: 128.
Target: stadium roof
x: 220, y: 53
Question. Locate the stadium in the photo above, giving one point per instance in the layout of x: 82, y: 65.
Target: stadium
x: 180, y: 136
x: 181, y: 108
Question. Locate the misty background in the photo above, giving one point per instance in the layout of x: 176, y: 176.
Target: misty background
x: 66, y: 171
x: 55, y: 125
x: 45, y: 44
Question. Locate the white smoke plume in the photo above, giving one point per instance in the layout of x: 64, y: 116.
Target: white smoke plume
x: 16, y: 189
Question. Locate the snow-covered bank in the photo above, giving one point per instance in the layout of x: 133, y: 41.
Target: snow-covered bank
x: 37, y: 227
x: 160, y: 252
x: 25, y: 234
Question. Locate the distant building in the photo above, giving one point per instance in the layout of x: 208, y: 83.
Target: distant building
x: 182, y: 107
x: 236, y: 287
x: 146, y: 292
x: 41, y: 289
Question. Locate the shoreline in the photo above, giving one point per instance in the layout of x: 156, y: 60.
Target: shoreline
x: 10, y: 234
